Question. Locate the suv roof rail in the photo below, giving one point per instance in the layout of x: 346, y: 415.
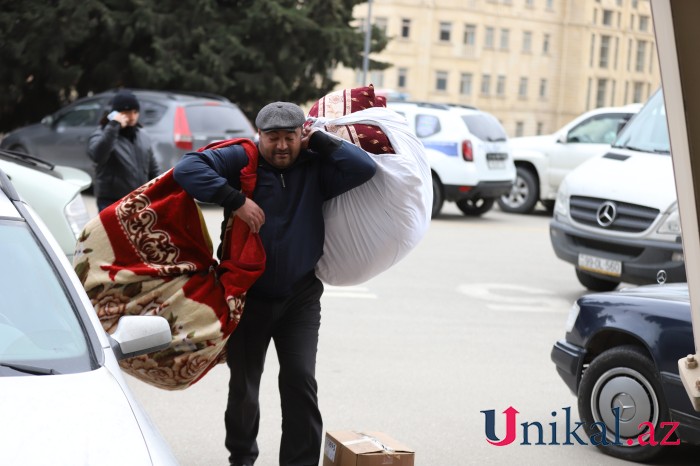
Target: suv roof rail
x: 7, y: 187
x: 435, y: 105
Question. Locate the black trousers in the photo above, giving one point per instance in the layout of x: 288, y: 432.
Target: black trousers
x: 293, y: 324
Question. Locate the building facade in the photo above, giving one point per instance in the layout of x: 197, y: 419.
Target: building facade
x: 534, y: 64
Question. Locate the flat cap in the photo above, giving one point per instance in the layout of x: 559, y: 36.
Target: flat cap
x: 280, y: 116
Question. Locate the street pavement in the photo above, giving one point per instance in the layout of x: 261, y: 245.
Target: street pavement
x: 464, y: 324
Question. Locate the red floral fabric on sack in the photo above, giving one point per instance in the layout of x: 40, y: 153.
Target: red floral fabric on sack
x: 346, y: 101
x: 150, y: 254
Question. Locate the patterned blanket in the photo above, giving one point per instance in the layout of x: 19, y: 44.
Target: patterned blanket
x: 150, y: 254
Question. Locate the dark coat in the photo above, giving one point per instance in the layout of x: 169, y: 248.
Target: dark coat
x: 120, y: 164
x: 292, y: 199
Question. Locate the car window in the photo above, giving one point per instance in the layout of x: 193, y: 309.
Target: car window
x: 427, y: 125
x: 83, y: 114
x: 647, y: 131
x: 218, y: 119
x: 599, y: 129
x: 38, y: 324
x: 150, y: 112
x: 485, y: 127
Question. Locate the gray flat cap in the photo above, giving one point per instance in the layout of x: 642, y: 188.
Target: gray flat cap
x: 280, y: 115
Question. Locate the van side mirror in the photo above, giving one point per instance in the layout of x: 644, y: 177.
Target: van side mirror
x: 137, y: 335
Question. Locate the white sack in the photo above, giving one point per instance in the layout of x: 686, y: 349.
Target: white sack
x: 375, y: 225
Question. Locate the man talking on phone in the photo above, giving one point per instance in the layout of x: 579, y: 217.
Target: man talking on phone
x: 121, y: 151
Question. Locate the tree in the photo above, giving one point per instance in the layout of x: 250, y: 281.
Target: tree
x: 251, y: 51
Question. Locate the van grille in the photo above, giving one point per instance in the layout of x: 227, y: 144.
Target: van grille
x: 630, y: 218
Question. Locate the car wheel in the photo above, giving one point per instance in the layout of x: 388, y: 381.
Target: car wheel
x: 523, y: 195
x: 438, y: 197
x: 594, y: 283
x: 623, y: 378
x: 476, y: 207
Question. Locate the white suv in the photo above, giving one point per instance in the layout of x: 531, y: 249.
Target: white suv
x: 616, y: 216
x: 468, y: 152
x: 543, y: 161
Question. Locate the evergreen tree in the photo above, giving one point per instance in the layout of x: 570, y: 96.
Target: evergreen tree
x: 251, y: 51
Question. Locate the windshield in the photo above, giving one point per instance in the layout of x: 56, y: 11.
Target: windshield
x: 39, y: 330
x: 485, y: 127
x: 647, y: 131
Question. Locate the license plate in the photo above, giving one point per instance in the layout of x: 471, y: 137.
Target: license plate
x: 496, y: 164
x: 600, y: 265
x: 496, y: 160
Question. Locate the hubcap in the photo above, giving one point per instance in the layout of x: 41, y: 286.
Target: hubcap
x: 630, y: 392
x: 518, y: 194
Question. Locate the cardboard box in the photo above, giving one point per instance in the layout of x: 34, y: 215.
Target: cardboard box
x: 351, y: 448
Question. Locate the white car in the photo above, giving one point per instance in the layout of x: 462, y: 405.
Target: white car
x: 53, y: 191
x: 468, y: 153
x: 616, y: 216
x: 543, y: 161
x: 64, y: 399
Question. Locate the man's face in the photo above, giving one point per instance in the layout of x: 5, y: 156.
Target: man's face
x: 280, y: 148
x: 132, y: 117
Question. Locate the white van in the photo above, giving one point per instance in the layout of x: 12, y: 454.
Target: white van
x: 616, y: 216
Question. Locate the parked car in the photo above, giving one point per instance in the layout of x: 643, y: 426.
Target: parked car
x: 54, y: 192
x: 64, y: 399
x: 621, y: 351
x: 177, y: 122
x: 468, y: 152
x: 616, y: 216
x: 543, y: 161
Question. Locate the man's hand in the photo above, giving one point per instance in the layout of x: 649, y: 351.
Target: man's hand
x: 252, y: 215
x: 306, y: 135
x: 122, y: 118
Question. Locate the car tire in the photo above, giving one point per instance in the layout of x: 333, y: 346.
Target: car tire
x: 594, y: 283
x: 438, y: 197
x: 475, y: 207
x: 627, y: 376
x: 523, y: 195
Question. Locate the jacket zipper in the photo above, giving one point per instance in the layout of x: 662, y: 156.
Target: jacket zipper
x: 282, y: 178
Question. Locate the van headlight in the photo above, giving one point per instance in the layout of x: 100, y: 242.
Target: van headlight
x: 672, y: 222
x: 77, y: 215
x: 561, y: 205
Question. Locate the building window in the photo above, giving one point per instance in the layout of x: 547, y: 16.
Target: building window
x: 405, y: 28
x: 601, y: 93
x: 543, y: 88
x: 529, y: 3
x: 522, y: 88
x: 527, y: 41
x: 643, y: 23
x: 519, y: 129
x: 501, y: 85
x: 402, y: 75
x: 603, y: 61
x: 540, y: 128
x: 489, y: 38
x: 445, y: 29
x: 505, y: 38
x: 465, y: 83
x: 592, y: 51
x: 486, y: 84
x: 469, y: 37
x: 545, y: 44
x: 641, y: 55
x: 380, y: 23
x: 638, y: 92
x: 550, y: 4
x: 607, y: 17
x: 441, y: 81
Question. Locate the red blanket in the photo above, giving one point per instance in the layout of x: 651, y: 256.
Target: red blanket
x: 150, y: 254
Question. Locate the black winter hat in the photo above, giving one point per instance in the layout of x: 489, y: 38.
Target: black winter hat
x: 124, y: 100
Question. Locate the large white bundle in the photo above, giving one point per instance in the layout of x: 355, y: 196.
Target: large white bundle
x: 375, y: 225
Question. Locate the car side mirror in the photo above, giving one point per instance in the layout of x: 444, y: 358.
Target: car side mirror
x: 137, y: 335
x: 562, y: 138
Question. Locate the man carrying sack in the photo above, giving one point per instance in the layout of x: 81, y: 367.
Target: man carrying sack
x: 298, y: 171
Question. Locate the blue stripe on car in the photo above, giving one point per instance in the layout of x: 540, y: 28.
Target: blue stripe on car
x: 447, y: 148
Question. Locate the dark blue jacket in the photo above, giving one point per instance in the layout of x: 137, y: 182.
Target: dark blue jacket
x: 292, y: 199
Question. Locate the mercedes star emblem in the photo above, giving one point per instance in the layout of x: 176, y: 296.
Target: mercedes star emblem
x: 606, y: 214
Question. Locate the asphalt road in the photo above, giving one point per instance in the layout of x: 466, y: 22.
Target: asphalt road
x: 464, y: 324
